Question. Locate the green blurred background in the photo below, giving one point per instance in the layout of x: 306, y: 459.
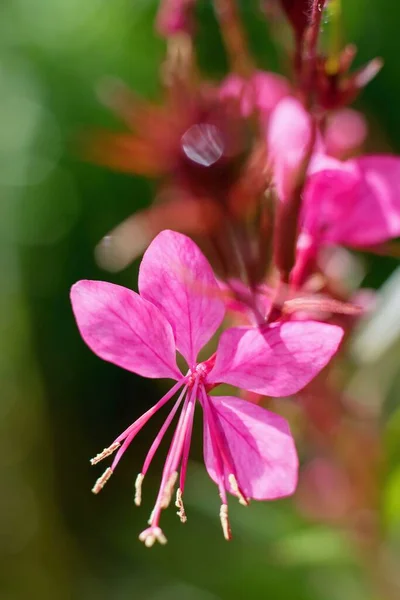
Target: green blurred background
x: 60, y: 405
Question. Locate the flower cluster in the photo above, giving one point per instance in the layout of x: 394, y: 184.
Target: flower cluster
x: 266, y: 174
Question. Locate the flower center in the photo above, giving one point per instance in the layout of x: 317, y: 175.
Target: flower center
x: 199, y: 374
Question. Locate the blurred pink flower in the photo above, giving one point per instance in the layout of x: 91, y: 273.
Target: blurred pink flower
x: 248, y: 451
x: 286, y: 125
x: 355, y: 203
x: 199, y: 148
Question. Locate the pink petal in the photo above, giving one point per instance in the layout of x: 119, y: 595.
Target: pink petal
x: 345, y: 132
x: 260, y: 446
x: 177, y: 278
x: 288, y: 139
x: 269, y: 88
x: 376, y: 213
x: 261, y: 92
x: 275, y: 360
x: 124, y: 329
x: 329, y: 198
x: 355, y: 203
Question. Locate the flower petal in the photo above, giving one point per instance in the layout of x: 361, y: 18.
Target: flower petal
x: 124, y: 329
x: 375, y: 217
x: 177, y: 278
x: 345, y: 133
x: 288, y: 139
x: 275, y: 360
x: 329, y: 198
x: 260, y: 446
x: 355, y: 203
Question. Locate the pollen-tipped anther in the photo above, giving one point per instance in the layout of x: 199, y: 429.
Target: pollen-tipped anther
x: 106, y: 452
x: 101, y: 482
x: 236, y: 490
x: 169, y: 490
x: 138, y: 489
x: 151, y: 535
x: 179, y: 504
x: 223, y: 515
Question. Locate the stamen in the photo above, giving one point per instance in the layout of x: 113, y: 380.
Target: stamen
x: 234, y: 485
x: 152, y: 515
x: 151, y: 535
x: 219, y: 465
x: 106, y: 452
x: 168, y: 490
x: 101, y: 482
x: 223, y: 515
x: 138, y: 489
x: 221, y: 453
x: 179, y: 504
x: 159, y: 437
x: 170, y: 471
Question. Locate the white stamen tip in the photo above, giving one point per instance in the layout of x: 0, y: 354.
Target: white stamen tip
x: 101, y: 482
x: 236, y: 490
x: 223, y: 515
x: 151, y: 535
x: 138, y: 489
x: 168, y: 490
x: 106, y: 452
x: 179, y: 504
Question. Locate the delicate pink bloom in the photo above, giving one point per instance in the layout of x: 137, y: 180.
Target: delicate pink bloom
x: 248, y: 451
x: 199, y: 148
x: 355, y: 203
x: 287, y: 125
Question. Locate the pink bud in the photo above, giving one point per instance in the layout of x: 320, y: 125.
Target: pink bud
x: 175, y: 16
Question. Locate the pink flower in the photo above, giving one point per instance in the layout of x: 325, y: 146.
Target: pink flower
x: 248, y: 451
x: 286, y: 125
x: 355, y: 203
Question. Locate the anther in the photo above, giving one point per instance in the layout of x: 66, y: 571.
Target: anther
x: 138, y: 489
x: 235, y: 487
x: 101, y: 482
x: 179, y: 504
x: 106, y: 452
x: 168, y: 490
x: 223, y: 515
x: 151, y: 518
x: 151, y: 535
